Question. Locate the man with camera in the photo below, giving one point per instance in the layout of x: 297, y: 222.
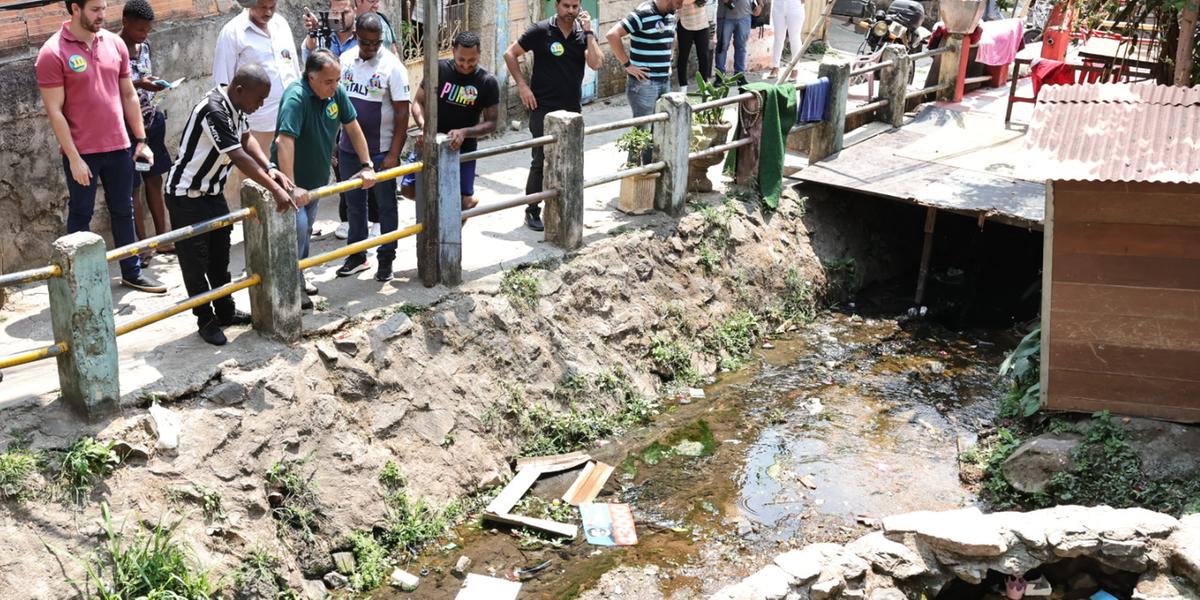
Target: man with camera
x: 733, y: 26
x: 561, y: 46
x: 257, y: 35
x: 332, y: 29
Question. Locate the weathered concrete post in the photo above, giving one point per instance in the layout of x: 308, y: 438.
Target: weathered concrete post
x: 672, y: 143
x: 894, y: 87
x: 81, y: 312
x: 271, y: 254
x: 952, y: 69
x: 750, y: 118
x: 564, y: 172
x: 827, y: 138
x: 439, y: 210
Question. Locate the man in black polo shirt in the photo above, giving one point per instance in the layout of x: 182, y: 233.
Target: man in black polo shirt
x: 560, y: 45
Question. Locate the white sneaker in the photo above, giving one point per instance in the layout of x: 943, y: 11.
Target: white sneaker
x: 343, y: 231
x: 374, y: 230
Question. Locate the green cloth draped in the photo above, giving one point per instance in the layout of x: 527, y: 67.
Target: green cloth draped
x: 778, y: 113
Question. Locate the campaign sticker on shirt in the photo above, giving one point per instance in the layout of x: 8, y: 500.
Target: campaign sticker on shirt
x: 331, y: 109
x: 77, y: 63
x: 557, y: 49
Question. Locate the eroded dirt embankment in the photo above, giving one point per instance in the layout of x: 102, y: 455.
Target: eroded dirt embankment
x: 433, y: 393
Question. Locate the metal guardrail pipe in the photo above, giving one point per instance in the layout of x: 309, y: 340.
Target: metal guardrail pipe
x: 879, y: 66
x: 803, y: 127
x: 866, y: 108
x: 719, y: 149
x: 190, y: 303
x: 485, y: 209
x: 642, y: 170
x: 926, y: 91
x: 362, y: 246
x: 624, y: 123
x: 176, y: 235
x: 30, y: 275
x: 355, y: 183
x: 29, y: 356
x: 977, y: 79
x: 545, y: 140
x: 721, y: 102
x: 928, y: 53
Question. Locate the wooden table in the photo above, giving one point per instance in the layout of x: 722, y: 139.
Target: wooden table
x: 1123, y: 57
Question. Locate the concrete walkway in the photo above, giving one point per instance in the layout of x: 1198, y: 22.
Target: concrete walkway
x: 169, y: 357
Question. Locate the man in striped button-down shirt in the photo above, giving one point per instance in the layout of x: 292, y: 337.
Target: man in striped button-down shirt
x: 651, y: 31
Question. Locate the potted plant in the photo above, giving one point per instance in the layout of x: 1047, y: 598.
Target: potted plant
x: 709, y: 128
x: 637, y: 192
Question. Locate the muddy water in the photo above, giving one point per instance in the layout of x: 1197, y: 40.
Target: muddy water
x: 850, y: 420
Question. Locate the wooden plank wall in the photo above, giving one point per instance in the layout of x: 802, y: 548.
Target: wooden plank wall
x: 1121, y: 299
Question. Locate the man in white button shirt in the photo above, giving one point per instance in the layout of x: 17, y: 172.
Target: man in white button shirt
x: 257, y: 36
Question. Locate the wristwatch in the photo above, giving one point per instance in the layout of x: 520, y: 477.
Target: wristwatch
x: 588, y: 32
x: 367, y: 165
x: 139, y: 140
x: 627, y: 63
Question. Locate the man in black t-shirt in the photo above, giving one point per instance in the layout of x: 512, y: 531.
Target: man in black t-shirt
x: 560, y: 45
x: 465, y: 92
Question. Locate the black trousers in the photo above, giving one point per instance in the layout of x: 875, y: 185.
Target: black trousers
x: 204, y: 259
x: 704, y: 62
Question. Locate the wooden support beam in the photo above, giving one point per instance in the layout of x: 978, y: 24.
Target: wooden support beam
x: 926, y: 252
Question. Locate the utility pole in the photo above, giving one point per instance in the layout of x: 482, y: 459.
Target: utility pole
x: 427, y: 200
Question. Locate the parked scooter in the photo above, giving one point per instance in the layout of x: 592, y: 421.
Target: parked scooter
x: 902, y: 23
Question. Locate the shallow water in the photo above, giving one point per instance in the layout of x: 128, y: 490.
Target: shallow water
x: 848, y: 421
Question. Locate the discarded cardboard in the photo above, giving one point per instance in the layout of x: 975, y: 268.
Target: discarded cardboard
x: 553, y: 463
x: 608, y: 524
x: 589, y: 483
x: 511, y: 494
x: 563, y: 529
x: 482, y: 587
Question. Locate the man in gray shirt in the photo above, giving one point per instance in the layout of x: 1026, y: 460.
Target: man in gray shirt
x: 733, y: 22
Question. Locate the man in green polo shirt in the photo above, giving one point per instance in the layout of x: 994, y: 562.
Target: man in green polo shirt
x: 310, y: 113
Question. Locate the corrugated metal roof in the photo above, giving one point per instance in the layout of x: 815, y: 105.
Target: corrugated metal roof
x: 1116, y: 132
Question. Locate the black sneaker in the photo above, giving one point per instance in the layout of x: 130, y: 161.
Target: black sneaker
x: 384, y: 272
x: 306, y: 303
x: 237, y: 318
x: 211, y: 333
x: 354, y: 264
x: 144, y: 283
x: 533, y: 220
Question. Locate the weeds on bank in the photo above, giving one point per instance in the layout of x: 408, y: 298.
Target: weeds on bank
x: 293, y: 497
x: 521, y: 287
x: 672, y: 359
x: 733, y: 338
x: 546, y: 431
x: 1023, y: 369
x: 260, y: 567
x: 1107, y: 471
x: 715, y: 242
x: 841, y: 277
x: 143, y: 564
x: 540, y: 508
x: 797, y: 305
x: 17, y: 467
x: 84, y: 463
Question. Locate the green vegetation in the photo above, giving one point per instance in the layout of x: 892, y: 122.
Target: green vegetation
x: 370, y: 562
x: 411, y: 310
x: 717, y: 89
x: 17, y: 466
x: 841, y: 277
x: 1023, y: 369
x: 734, y: 338
x: 672, y: 359
x: 391, y: 477
x: 715, y: 242
x: 665, y: 448
x: 553, y: 431
x: 260, y: 568
x: 710, y: 258
x: 86, y: 462
x: 521, y: 287
x: 798, y: 304
x: 1107, y: 471
x: 540, y: 508
x: 293, y: 496
x: 145, y: 564
x: 636, y: 143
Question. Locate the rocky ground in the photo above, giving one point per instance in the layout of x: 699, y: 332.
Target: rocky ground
x: 423, y: 391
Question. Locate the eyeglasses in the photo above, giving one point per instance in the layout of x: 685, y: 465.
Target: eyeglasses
x: 370, y: 43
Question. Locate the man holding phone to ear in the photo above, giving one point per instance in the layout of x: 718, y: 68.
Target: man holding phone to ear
x: 561, y: 46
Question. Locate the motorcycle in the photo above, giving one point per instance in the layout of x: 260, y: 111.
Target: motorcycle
x: 901, y: 23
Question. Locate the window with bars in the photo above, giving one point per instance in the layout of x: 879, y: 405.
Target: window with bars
x: 455, y: 18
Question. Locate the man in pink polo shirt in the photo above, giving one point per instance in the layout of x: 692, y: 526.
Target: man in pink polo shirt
x: 83, y: 74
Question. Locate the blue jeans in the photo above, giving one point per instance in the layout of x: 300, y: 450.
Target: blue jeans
x: 305, y: 217
x: 739, y: 31
x: 644, y: 93
x: 115, y: 170
x: 356, y: 205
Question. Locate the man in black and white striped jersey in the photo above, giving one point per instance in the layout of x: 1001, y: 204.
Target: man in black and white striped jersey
x: 215, y: 139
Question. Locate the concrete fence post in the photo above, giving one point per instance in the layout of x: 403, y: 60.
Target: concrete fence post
x: 81, y: 313
x: 564, y: 172
x: 894, y: 87
x: 750, y: 118
x: 952, y: 68
x: 439, y: 210
x: 672, y: 144
x: 827, y: 138
x: 270, y: 244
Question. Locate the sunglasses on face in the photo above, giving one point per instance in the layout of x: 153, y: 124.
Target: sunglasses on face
x: 370, y: 43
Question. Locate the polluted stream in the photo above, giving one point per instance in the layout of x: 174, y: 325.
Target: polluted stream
x: 819, y: 436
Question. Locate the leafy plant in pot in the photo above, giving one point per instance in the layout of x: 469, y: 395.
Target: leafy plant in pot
x: 709, y: 128
x: 637, y: 192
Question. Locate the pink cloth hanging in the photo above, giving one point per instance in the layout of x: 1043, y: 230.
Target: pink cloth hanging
x: 1000, y: 41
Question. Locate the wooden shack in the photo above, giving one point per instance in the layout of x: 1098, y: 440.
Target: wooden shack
x: 1121, y: 261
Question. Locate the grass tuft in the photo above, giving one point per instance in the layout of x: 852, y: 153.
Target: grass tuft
x: 17, y: 467
x: 86, y: 462
x: 144, y: 564
x: 521, y: 287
